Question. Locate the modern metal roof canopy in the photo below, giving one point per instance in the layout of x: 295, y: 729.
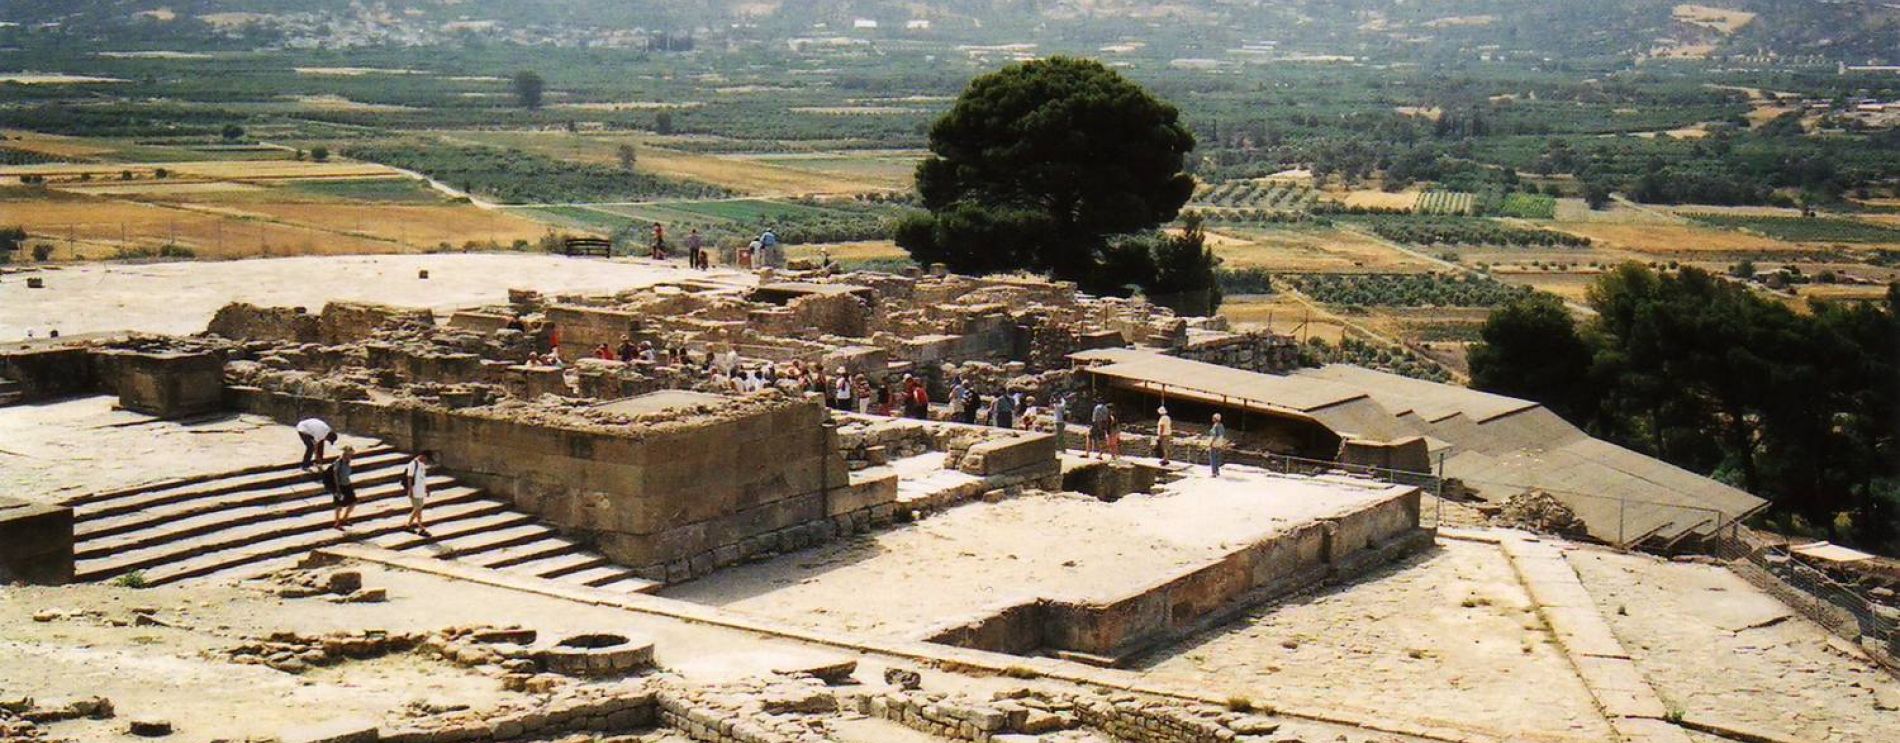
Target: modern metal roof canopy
x: 1500, y: 445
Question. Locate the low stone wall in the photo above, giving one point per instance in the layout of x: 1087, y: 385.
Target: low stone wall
x: 49, y: 370
x: 1108, y: 632
x: 1024, y: 713
x: 620, y: 708
x: 36, y: 543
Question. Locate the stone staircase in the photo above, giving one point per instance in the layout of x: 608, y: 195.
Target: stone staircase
x: 10, y: 392
x: 250, y: 522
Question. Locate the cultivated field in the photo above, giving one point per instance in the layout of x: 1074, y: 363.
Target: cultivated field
x: 1300, y: 249
x: 751, y: 175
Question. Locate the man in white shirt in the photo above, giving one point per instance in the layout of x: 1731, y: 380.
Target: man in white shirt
x: 415, y: 482
x: 315, y: 433
x: 1164, y: 434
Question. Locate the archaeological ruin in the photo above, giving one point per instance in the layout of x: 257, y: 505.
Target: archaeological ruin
x: 806, y: 505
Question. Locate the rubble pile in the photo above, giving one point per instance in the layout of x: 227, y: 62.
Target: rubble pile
x: 1538, y: 511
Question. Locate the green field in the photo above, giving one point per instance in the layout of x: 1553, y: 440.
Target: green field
x: 1803, y: 229
x: 385, y: 190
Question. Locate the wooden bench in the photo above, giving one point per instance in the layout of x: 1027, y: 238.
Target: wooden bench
x: 589, y: 246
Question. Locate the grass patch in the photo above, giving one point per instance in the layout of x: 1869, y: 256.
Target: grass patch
x: 383, y: 190
x: 134, y: 579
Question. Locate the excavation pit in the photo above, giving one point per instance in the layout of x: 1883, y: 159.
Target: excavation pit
x: 596, y: 655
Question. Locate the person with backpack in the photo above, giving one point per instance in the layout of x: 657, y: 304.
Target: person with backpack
x: 415, y: 483
x: 342, y: 491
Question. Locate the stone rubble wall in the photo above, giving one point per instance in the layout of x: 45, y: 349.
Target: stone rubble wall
x: 1267, y: 353
x: 241, y: 321
x: 1027, y: 712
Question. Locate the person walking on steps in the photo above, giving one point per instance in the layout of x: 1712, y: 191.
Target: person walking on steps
x: 342, y: 491
x: 315, y: 434
x: 415, y: 483
x: 1216, y: 445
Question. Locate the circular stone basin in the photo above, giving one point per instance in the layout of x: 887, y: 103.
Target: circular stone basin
x: 596, y: 655
x: 593, y: 642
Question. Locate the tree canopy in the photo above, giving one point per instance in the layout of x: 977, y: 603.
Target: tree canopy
x: 1802, y: 409
x: 1039, y: 164
x: 528, y: 87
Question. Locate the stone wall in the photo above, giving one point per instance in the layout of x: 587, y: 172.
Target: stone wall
x: 583, y: 328
x: 169, y: 384
x: 348, y: 322
x: 1258, y: 352
x: 48, y: 370
x: 674, y: 499
x: 240, y: 321
x: 36, y: 543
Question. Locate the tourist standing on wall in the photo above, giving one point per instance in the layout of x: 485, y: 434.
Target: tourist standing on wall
x: 1060, y: 406
x: 315, y: 433
x: 845, y: 393
x: 415, y: 482
x: 342, y: 491
x: 861, y: 388
x: 696, y: 250
x: 917, y: 398
x: 1003, y: 412
x: 1097, y: 441
x: 1216, y: 445
x: 1031, y: 413
x: 1164, y: 434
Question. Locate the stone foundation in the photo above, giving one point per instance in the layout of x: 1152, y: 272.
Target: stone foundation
x: 1109, y: 632
x: 36, y: 543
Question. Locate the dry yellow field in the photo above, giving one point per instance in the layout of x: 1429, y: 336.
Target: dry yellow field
x: 415, y: 226
x: 235, y: 170
x: 869, y: 250
x: 1310, y: 250
x: 1282, y: 314
x: 743, y: 175
x: 159, y: 188
x: 1664, y: 240
x: 101, y: 227
x: 1723, y: 20
x: 1370, y: 198
x: 1844, y: 292
x: 51, y: 144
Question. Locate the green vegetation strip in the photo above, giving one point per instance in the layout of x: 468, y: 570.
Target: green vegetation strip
x: 1803, y: 229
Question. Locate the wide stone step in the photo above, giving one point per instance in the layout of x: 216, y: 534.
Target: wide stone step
x: 161, y: 530
x: 630, y: 584
x: 475, y: 544
x: 598, y: 575
x: 129, y: 501
x: 100, y: 526
x: 551, y: 546
x: 361, y: 528
x: 370, y: 504
x: 442, y: 527
x: 559, y: 565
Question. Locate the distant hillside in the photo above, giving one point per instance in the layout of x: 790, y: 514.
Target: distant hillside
x: 1855, y: 31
